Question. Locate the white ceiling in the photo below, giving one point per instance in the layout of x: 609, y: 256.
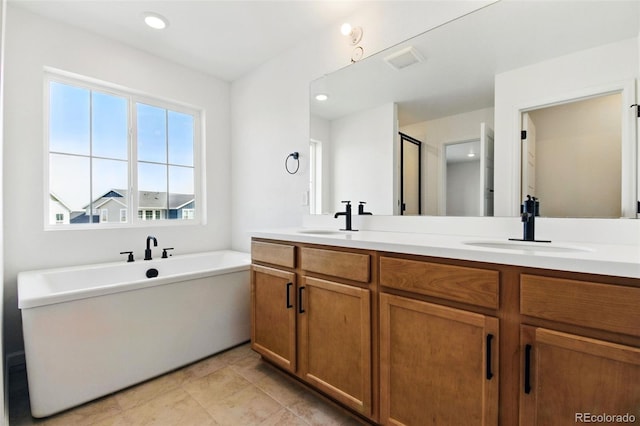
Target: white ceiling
x: 226, y: 39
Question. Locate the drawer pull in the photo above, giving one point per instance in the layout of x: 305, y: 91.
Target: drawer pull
x: 300, y: 308
x: 289, y: 305
x: 527, y: 369
x: 489, y: 372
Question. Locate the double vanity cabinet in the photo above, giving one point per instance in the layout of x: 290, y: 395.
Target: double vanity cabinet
x: 409, y: 339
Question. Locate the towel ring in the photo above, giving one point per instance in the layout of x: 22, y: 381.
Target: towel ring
x: 296, y: 156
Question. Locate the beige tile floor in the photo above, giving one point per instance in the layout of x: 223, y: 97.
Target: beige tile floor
x: 234, y: 388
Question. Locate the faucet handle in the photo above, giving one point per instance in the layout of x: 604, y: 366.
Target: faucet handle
x: 130, y: 257
x: 361, y: 208
x: 164, y: 252
x: 346, y: 202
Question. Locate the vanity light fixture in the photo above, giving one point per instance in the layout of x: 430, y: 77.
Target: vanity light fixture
x: 155, y: 20
x: 354, y: 33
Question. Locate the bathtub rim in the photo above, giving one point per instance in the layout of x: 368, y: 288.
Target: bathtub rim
x: 30, y: 295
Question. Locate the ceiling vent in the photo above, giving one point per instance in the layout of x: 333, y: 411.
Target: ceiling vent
x: 404, y: 58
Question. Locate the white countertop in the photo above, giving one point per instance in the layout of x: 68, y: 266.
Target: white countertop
x: 594, y: 258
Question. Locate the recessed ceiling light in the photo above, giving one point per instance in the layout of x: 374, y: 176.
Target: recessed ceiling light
x: 321, y: 97
x: 155, y: 20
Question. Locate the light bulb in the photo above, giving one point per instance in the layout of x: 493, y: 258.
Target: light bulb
x: 321, y: 97
x: 345, y: 29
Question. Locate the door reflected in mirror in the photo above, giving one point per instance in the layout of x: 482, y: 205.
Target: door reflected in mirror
x: 462, y: 174
x: 410, y: 175
x: 572, y: 157
x: 468, y: 176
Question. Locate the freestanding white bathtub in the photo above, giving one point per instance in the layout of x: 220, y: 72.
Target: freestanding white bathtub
x: 92, y: 330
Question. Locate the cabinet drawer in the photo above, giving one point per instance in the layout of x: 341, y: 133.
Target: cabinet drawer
x: 461, y: 284
x: 276, y: 254
x: 351, y: 266
x: 601, y: 306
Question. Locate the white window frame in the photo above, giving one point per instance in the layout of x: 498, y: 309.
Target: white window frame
x: 315, y: 177
x: 133, y: 97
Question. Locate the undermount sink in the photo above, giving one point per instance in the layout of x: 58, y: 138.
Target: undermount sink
x: 319, y: 232
x: 526, y: 246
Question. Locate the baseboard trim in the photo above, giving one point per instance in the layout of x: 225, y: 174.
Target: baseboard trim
x: 12, y: 360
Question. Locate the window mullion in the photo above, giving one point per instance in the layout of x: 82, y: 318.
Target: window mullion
x: 133, y: 161
x: 91, y: 156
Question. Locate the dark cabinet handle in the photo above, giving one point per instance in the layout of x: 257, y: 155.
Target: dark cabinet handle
x: 289, y: 305
x: 527, y: 369
x: 300, y: 308
x: 488, y: 366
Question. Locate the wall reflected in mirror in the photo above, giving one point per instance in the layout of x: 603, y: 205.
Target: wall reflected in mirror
x: 451, y: 96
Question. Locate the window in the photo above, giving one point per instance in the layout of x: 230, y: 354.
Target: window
x: 59, y: 217
x: 315, y: 177
x: 117, y: 157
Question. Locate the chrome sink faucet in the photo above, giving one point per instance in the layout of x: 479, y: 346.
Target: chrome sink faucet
x: 347, y: 215
x: 147, y: 252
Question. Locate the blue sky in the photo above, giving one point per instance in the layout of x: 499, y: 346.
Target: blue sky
x: 81, y: 124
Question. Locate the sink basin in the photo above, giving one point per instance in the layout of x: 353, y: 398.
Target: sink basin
x: 319, y: 232
x: 526, y: 246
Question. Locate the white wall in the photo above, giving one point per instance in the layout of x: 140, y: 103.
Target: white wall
x: 270, y: 109
x: 363, y: 159
x: 32, y: 43
x: 567, y: 77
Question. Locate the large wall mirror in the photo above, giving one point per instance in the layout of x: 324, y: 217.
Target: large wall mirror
x: 516, y: 98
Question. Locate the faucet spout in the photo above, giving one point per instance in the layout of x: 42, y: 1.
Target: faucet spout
x: 147, y: 252
x: 347, y: 216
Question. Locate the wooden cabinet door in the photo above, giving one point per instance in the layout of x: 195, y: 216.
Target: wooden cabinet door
x: 335, y: 341
x: 438, y: 365
x: 567, y: 378
x: 273, y: 315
